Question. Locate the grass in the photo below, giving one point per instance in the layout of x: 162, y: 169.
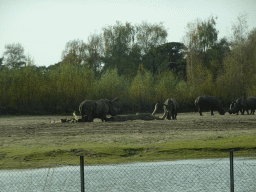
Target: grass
x: 54, y: 154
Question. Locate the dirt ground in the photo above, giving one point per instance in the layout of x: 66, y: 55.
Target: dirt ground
x: 25, y: 126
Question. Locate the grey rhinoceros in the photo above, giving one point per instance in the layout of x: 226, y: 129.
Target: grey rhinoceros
x: 91, y: 109
x: 209, y: 103
x: 239, y: 106
x: 243, y: 104
x: 171, y: 108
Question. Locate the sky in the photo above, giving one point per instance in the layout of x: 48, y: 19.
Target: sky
x: 43, y: 27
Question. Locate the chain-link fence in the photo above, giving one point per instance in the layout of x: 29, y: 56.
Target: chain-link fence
x: 43, y: 179
x: 182, y: 175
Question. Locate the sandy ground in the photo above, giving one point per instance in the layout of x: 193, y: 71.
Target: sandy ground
x: 43, y: 125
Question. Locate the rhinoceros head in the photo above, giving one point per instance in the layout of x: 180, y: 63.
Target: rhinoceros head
x: 234, y: 107
x: 112, y: 110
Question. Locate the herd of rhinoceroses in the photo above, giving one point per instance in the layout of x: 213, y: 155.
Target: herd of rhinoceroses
x: 91, y: 109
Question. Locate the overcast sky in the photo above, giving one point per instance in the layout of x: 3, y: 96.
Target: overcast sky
x: 43, y: 27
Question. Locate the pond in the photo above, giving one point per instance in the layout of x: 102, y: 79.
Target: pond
x: 181, y: 175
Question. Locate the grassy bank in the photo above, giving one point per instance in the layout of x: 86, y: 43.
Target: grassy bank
x: 47, y: 155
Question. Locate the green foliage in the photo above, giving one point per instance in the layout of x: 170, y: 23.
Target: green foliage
x: 204, y: 56
x: 165, y: 86
x: 111, y: 85
x: 239, y: 65
x: 75, y: 52
x: 207, y: 33
x: 70, y: 85
x: 231, y: 80
x: 119, y: 42
x: 141, y: 90
x: 126, y: 46
x: 183, y: 94
x: 150, y: 37
x: 20, y: 86
x: 14, y: 55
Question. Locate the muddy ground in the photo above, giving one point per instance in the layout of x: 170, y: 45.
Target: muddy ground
x: 25, y: 126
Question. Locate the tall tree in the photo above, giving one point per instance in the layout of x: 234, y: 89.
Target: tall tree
x: 74, y: 52
x: 240, y: 33
x: 207, y: 33
x: 118, y: 43
x: 213, y: 58
x: 14, y: 55
x: 192, y: 51
x: 1, y: 62
x: 238, y: 71
x: 134, y: 60
x: 94, y: 52
x: 176, y: 61
x: 127, y: 46
x: 30, y: 61
x: 250, y: 57
x: 200, y: 37
x: 149, y: 38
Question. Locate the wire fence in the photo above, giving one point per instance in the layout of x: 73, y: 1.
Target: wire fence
x: 181, y: 175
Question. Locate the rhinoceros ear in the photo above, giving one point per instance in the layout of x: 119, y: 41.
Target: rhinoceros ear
x: 115, y: 99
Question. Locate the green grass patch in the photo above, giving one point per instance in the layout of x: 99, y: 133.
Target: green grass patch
x: 117, y: 152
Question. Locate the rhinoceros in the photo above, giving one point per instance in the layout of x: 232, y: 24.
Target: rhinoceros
x: 91, y: 109
x: 209, y: 103
x: 243, y: 104
x: 170, y: 108
x: 239, y: 106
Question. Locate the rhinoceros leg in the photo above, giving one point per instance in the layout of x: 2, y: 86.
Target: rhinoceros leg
x: 168, y: 115
x: 200, y: 112
x: 103, y: 117
x: 212, y: 112
x: 90, y: 118
x: 175, y: 114
x: 84, y: 117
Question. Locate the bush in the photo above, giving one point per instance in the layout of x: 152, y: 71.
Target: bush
x: 141, y: 91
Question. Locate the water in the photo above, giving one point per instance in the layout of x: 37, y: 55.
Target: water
x: 183, y: 175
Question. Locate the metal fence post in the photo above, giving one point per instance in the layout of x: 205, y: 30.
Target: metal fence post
x: 82, y: 172
x: 231, y: 171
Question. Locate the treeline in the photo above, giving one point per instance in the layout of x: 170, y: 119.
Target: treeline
x: 37, y: 90
x: 135, y: 64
